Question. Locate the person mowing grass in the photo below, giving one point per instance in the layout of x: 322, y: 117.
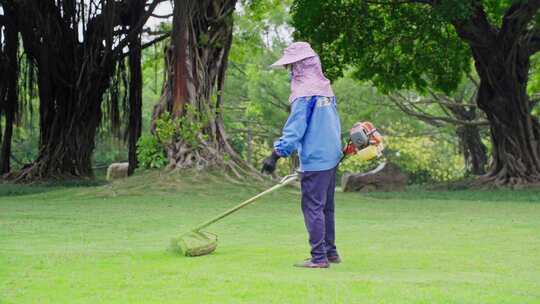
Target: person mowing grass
x: 313, y: 129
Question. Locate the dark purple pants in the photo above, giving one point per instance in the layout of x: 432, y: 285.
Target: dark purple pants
x: 318, y: 207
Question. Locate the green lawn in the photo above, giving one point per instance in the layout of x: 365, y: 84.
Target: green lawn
x: 108, y: 244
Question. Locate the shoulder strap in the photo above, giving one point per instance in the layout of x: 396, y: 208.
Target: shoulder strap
x: 311, y: 106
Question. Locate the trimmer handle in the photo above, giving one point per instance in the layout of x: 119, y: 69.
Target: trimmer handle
x: 289, y: 178
x: 284, y: 181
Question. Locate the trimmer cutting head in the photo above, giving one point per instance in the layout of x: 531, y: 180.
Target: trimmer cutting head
x: 195, y: 243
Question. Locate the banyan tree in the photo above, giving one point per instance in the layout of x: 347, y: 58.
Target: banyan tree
x: 74, y: 51
x: 191, y: 101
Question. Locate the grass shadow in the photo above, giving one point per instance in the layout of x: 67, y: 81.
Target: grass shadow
x: 16, y: 189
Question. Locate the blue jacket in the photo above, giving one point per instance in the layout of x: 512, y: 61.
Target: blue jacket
x: 314, y: 130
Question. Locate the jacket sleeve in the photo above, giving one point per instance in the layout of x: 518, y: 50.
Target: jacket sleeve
x: 294, y: 129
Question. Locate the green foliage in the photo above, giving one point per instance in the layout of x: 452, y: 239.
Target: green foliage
x: 262, y: 149
x: 109, y: 149
x: 423, y: 159
x: 255, y: 97
x: 495, y: 9
x: 153, y: 78
x: 533, y: 87
x: 362, y: 102
x: 394, y: 46
x: 425, y: 153
x: 203, y: 39
x: 450, y: 10
x: 112, y: 147
x: 426, y: 160
x: 267, y: 11
x: 354, y: 164
x: 24, y: 143
x: 187, y: 128
x: 166, y: 128
x: 150, y: 153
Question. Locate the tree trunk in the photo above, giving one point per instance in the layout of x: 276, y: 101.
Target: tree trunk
x: 135, y: 92
x: 77, y: 53
x: 5, y: 154
x: 66, y: 145
x: 502, y: 60
x: 197, y: 61
x: 70, y: 112
x: 515, y: 134
x: 69, y: 117
x: 514, y: 131
x: 11, y: 96
x: 473, y: 149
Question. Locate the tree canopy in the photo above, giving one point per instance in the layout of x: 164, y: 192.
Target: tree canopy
x: 396, y: 44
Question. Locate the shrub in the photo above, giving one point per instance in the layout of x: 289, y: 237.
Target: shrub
x: 423, y: 159
x: 169, y: 130
x: 150, y: 153
x: 426, y: 160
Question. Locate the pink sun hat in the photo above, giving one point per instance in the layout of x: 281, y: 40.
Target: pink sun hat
x: 293, y: 53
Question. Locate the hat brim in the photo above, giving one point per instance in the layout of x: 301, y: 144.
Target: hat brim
x: 285, y: 60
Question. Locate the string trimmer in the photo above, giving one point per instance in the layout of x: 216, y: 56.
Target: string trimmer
x: 364, y: 141
x: 198, y: 242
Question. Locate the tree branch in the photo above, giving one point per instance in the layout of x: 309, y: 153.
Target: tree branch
x: 149, y: 31
x: 534, y: 43
x: 444, y: 103
x: 278, y: 101
x: 517, y: 18
x: 157, y: 40
x: 476, y: 31
x: 161, y: 16
x: 458, y: 109
x: 412, y: 109
x: 473, y: 80
x: 137, y: 29
x: 147, y: 44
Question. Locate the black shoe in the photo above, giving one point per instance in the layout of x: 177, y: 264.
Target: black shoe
x: 310, y: 264
x: 334, y: 259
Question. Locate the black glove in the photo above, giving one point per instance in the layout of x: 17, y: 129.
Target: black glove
x: 269, y: 163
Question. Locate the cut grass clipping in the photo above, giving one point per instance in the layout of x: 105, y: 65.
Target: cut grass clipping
x: 195, y: 243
